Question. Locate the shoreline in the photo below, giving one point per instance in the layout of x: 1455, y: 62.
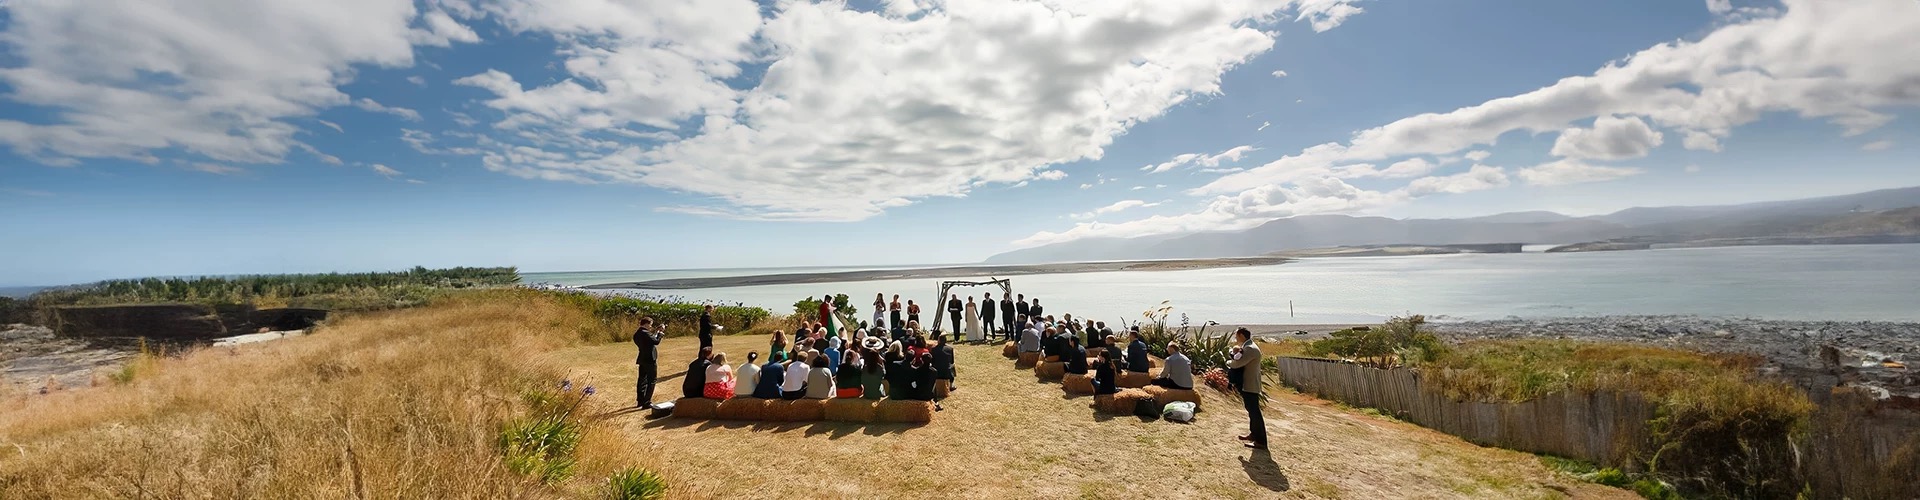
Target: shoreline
x: 979, y: 271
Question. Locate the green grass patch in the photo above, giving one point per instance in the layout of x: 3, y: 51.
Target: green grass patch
x: 635, y: 484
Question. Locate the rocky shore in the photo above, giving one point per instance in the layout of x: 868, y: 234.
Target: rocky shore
x: 33, y: 359
x: 1871, y: 354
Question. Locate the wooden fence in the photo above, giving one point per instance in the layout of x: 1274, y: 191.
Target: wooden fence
x: 1604, y: 428
x: 1854, y: 448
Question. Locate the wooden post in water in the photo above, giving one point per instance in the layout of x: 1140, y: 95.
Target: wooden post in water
x: 1290, y: 308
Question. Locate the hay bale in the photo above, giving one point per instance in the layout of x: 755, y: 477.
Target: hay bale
x: 1027, y: 361
x: 1094, y: 352
x: 1011, y: 351
x: 701, y: 408
x: 1133, y: 380
x: 906, y: 412
x: 1077, y: 383
x: 942, y: 388
x: 1120, y: 403
x: 1051, y: 370
x: 1050, y: 359
x: 749, y: 409
x: 1164, y: 395
x: 809, y: 410
x: 850, y: 410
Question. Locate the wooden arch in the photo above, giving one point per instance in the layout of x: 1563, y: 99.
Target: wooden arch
x: 940, y: 300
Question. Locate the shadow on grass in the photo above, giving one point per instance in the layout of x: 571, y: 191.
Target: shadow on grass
x: 833, y: 430
x: 1264, y: 471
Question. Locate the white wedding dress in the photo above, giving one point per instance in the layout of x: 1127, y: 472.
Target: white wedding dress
x: 973, y: 322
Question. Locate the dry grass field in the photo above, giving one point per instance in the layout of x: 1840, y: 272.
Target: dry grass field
x: 411, y: 403
x: 1003, y: 434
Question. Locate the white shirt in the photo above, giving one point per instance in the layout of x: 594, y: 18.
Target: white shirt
x: 746, y: 378
x: 796, y: 377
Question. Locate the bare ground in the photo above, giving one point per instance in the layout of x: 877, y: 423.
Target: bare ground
x: 1005, y: 435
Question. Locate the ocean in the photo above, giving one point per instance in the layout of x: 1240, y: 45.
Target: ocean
x: 1815, y: 282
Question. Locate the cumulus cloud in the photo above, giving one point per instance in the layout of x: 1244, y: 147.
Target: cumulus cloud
x: 1115, y: 207
x: 1877, y: 146
x: 1279, y: 73
x: 1200, y: 160
x: 1611, y: 138
x: 1478, y: 155
x: 1564, y: 172
x: 1719, y: 6
x: 1477, y: 178
x: 131, y: 79
x: 1245, y: 210
x: 370, y: 105
x: 851, y: 102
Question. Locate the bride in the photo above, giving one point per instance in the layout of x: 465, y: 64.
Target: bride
x: 973, y: 320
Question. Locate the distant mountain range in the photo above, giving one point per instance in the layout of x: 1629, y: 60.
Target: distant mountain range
x: 1871, y: 213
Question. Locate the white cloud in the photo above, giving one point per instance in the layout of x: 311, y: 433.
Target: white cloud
x: 440, y: 30
x: 1564, y: 172
x: 1086, y: 186
x: 1842, y: 62
x: 370, y: 105
x: 1247, y: 209
x: 1200, y: 160
x: 1051, y: 175
x: 1115, y: 207
x: 1611, y: 138
x: 1050, y: 83
x: 1263, y: 126
x: 1412, y: 167
x: 417, y: 80
x: 416, y: 181
x: 1877, y: 146
x: 1477, y: 178
x: 220, y: 81
x: 385, y: 171
x: 1279, y: 73
x: 214, y: 168
x: 1136, y: 188
x: 1478, y: 155
x: 1719, y: 6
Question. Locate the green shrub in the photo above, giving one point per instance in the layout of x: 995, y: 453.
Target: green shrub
x: 1207, y: 351
x: 1609, y: 477
x: 541, y: 444
x: 621, y: 313
x: 635, y: 484
x: 333, y: 291
x: 1398, y: 342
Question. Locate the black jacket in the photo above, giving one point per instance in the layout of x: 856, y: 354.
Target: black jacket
x: 955, y: 306
x: 1007, y: 308
x: 1022, y: 308
x: 696, y: 379
x: 986, y: 311
x: 1077, y: 361
x: 943, y: 361
x: 706, y: 330
x: 649, y: 344
x: 1103, y: 379
x: 901, y: 380
x: 1036, y: 310
x: 922, y: 383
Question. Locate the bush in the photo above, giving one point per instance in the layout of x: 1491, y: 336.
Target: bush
x: 1206, y: 351
x: 635, y: 484
x: 1398, y: 342
x: 620, y: 314
x: 542, y: 443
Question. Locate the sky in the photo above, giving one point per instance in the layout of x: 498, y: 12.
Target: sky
x: 192, y: 137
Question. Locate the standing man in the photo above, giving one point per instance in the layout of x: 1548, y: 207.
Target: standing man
x: 649, y: 343
x: 954, y: 307
x: 706, y: 327
x: 1036, y: 309
x: 987, y: 308
x: 1024, y: 310
x: 1007, y: 315
x: 1246, y: 361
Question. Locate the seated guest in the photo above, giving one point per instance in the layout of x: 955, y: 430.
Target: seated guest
x: 820, y: 379
x: 899, y: 376
x: 1137, y: 354
x: 747, y: 377
x: 847, y: 377
x: 899, y: 333
x: 873, y: 374
x: 1077, y: 358
x: 833, y: 353
x: 772, y: 377
x: 779, y: 343
x: 942, y: 356
x: 1095, y: 340
x: 1178, y: 373
x: 720, y: 382
x: 1103, y: 374
x: 1050, y: 343
x: 923, y: 375
x: 695, y: 383
x: 795, y: 387
x: 1029, y: 339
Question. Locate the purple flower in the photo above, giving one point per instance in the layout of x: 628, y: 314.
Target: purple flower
x: 589, y: 390
x: 566, y: 385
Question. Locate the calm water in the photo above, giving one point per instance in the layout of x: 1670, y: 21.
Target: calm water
x: 1842, y: 282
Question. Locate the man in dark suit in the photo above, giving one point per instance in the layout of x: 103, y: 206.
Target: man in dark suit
x: 954, y: 307
x: 1007, y: 315
x: 1022, y: 308
x: 987, y: 309
x: 649, y: 343
x: 706, y: 327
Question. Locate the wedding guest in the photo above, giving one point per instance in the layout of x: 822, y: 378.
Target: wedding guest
x: 747, y: 377
x: 1076, y: 358
x: 1103, y: 374
x: 1037, y: 310
x: 1178, y: 372
x: 893, y: 309
x: 795, y: 386
x: 648, y: 361
x: 847, y: 377
x: 879, y: 308
x: 913, y: 312
x: 706, y: 326
x: 942, y: 356
x: 820, y: 380
x: 694, y: 383
x: 873, y: 374
x: 1007, y: 312
x: 773, y: 377
x: 1137, y: 361
x: 720, y: 381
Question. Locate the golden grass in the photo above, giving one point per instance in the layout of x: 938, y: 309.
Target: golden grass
x: 402, y: 404
x: 1004, y: 435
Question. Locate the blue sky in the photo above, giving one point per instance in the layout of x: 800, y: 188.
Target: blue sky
x: 255, y: 136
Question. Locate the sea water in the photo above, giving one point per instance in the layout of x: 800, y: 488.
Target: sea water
x: 1832, y: 282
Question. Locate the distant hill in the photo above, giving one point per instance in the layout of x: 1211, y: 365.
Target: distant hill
x: 1862, y: 214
